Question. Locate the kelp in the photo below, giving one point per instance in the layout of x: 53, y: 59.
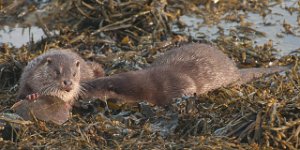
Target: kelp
x: 128, y: 35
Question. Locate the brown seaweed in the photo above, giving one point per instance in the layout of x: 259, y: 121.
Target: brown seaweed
x: 128, y: 35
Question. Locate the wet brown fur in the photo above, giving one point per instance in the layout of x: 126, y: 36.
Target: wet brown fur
x: 193, y: 68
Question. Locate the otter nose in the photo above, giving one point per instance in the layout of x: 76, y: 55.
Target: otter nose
x: 67, y: 83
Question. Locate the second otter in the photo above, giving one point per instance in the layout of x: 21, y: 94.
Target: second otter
x: 184, y: 71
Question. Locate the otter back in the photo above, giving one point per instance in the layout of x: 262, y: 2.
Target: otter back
x: 184, y: 71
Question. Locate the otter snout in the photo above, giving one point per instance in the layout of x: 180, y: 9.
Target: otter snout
x: 67, y: 85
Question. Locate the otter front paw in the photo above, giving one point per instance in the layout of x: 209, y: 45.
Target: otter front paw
x: 32, y: 97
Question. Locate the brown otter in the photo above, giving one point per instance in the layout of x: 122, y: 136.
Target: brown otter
x: 190, y: 69
x: 57, y: 73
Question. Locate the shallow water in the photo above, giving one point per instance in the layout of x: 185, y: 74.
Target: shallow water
x: 19, y: 30
x: 19, y: 36
x: 271, y: 26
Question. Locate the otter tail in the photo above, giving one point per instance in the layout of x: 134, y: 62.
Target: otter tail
x: 249, y: 74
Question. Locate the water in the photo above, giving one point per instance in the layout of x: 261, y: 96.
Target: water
x: 19, y: 31
x: 19, y: 36
x: 271, y: 25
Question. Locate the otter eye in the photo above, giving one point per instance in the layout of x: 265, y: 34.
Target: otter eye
x: 58, y: 73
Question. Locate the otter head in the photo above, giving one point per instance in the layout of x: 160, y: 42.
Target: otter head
x: 59, y: 75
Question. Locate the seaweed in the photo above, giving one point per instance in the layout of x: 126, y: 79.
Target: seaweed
x: 128, y: 35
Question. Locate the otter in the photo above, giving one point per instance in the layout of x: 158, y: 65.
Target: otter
x: 58, y: 73
x: 191, y: 69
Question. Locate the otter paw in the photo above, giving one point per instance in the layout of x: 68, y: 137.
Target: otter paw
x: 32, y: 97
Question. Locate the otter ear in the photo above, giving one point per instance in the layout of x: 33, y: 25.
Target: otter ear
x: 44, y: 61
x: 48, y: 60
x: 77, y: 63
